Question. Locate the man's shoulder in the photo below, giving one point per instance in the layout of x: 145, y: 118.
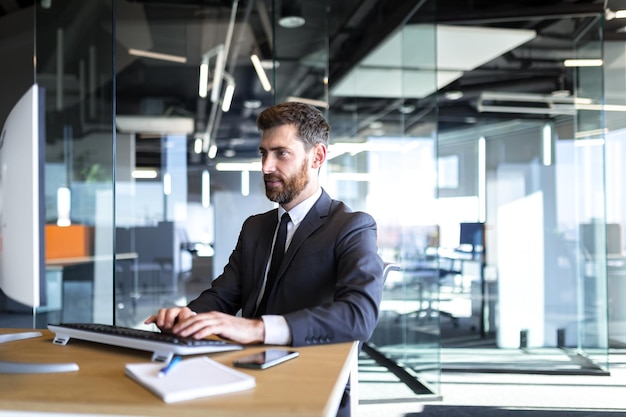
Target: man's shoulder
x: 260, y: 218
x: 340, y: 210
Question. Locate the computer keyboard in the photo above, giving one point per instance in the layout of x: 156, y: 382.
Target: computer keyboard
x: 164, y: 346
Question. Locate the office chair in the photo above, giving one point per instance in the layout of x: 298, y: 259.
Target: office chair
x: 401, y: 373
x: 428, y: 279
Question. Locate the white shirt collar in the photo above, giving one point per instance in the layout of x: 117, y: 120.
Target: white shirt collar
x: 298, y: 213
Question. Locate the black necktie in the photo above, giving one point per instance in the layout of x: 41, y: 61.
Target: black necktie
x: 277, y: 258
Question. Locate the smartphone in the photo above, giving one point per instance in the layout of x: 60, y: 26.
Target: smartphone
x: 266, y: 358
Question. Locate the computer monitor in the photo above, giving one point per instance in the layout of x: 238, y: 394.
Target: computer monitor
x: 22, y: 266
x: 472, y: 236
x: 21, y: 202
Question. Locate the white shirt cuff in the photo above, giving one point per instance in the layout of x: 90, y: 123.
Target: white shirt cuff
x: 276, y: 330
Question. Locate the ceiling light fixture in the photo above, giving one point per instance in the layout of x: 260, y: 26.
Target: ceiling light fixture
x: 203, y: 81
x: 453, y: 95
x: 617, y: 14
x: 291, y: 14
x: 583, y: 63
x: 212, y: 151
x: 157, y: 55
x: 260, y: 72
x: 144, y: 173
x: 229, y: 92
x: 238, y: 166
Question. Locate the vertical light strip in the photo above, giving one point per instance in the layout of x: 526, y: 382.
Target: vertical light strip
x: 245, y: 183
x: 204, y: 78
x: 546, y: 145
x: 482, y: 176
x: 206, y: 188
x: 212, y: 151
x: 64, y: 204
x: 228, y: 97
x: 167, y: 183
x: 197, y: 145
x: 260, y: 72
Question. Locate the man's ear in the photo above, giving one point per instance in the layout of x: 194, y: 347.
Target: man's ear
x: 319, y: 155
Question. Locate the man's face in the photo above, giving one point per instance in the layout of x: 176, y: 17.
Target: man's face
x: 287, y: 170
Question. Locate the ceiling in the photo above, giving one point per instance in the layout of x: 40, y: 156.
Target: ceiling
x: 513, y: 46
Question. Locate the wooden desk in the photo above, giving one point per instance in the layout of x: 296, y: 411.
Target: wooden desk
x: 311, y: 385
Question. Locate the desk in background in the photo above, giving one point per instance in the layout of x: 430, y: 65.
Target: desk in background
x: 311, y: 385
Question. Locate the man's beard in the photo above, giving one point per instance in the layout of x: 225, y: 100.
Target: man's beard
x: 291, y: 186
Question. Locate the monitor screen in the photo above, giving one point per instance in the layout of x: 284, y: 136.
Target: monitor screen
x: 472, y: 235
x: 21, y: 201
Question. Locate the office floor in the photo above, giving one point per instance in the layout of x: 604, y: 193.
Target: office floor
x: 466, y: 394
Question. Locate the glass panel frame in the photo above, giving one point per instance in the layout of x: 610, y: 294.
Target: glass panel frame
x: 385, y: 164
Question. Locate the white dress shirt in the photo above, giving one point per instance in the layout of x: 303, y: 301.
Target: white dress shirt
x: 276, y: 329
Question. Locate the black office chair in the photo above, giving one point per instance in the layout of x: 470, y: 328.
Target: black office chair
x: 428, y: 277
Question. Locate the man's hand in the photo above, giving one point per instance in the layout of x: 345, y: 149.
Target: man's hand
x: 185, y: 323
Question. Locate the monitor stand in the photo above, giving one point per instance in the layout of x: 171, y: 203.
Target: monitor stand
x: 31, y: 368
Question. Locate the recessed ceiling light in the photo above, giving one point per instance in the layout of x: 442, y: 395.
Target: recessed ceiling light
x: 453, y: 94
x: 407, y: 108
x: 291, y: 14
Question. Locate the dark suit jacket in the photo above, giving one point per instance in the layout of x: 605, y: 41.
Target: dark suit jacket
x: 329, y: 285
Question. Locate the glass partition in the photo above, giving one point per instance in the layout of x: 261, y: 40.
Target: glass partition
x: 529, y: 168
x: 382, y: 160
x: 74, y: 68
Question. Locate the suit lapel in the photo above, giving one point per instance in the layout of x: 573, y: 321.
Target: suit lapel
x: 263, y: 251
x: 314, y: 219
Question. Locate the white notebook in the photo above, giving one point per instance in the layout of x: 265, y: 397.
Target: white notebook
x: 191, y: 378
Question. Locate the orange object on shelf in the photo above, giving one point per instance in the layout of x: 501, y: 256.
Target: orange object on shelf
x: 73, y: 241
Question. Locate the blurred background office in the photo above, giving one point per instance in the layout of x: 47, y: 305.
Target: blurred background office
x: 486, y: 138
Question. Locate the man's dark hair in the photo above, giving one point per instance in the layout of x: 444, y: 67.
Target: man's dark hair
x: 310, y: 122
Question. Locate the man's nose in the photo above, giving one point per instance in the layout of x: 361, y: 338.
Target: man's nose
x: 267, y: 165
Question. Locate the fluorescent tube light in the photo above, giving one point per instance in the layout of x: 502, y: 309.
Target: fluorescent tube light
x: 260, y: 72
x: 229, y: 92
x: 206, y: 188
x: 157, y: 55
x: 583, y: 62
x: 547, y: 145
x: 228, y: 97
x: 197, y: 145
x: 238, y: 166
x: 212, y: 151
x: 204, y: 78
x: 64, y: 205
x: 145, y: 174
x: 620, y: 14
x: 167, y: 183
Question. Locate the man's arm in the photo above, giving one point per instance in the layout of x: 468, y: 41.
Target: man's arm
x: 353, y: 312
